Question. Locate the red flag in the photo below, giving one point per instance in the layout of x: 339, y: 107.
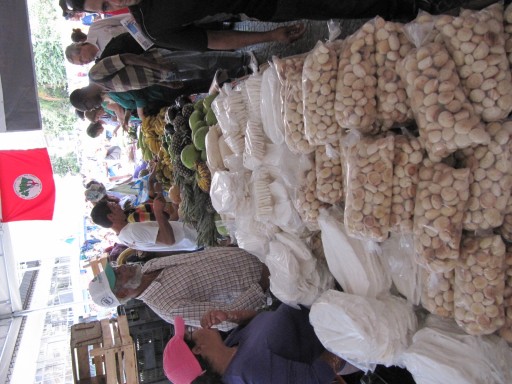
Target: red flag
x: 27, y: 187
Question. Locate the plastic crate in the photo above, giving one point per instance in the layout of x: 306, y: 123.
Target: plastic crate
x: 150, y: 335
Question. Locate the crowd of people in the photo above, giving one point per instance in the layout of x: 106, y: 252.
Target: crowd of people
x: 220, y: 291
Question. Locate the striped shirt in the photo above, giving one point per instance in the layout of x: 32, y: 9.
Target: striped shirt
x: 221, y: 278
x: 126, y: 72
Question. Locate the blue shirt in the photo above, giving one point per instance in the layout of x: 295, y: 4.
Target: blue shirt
x: 277, y: 348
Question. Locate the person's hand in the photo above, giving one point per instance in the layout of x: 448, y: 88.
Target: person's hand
x: 159, y: 204
x: 212, y: 318
x: 289, y: 33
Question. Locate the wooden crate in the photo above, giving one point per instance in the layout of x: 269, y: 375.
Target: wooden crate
x: 107, y: 347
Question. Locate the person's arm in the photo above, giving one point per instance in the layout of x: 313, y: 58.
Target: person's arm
x: 215, y: 317
x: 228, y: 40
x: 165, y: 232
x: 140, y: 112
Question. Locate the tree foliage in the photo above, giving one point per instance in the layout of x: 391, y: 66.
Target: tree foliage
x: 63, y: 165
x: 56, y: 114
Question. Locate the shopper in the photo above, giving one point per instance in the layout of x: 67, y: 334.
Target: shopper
x: 188, y: 285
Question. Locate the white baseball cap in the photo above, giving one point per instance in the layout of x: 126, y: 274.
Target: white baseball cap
x: 101, y: 288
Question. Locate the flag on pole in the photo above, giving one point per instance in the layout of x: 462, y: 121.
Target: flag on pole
x: 27, y: 188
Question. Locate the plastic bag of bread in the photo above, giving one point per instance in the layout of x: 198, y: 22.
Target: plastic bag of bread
x: 476, y: 42
x: 391, y: 45
x: 319, y: 90
x: 489, y: 192
x: 289, y: 71
x: 408, y: 158
x: 440, y: 201
x: 437, y: 292
x: 356, y: 104
x: 369, y: 185
x: 306, y: 200
x: 445, y: 119
x: 507, y: 16
x: 506, y: 330
x: 329, y: 173
x: 480, y: 284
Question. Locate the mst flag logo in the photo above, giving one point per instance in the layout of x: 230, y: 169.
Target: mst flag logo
x: 27, y: 186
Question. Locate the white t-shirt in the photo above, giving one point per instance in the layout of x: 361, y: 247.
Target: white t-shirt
x: 102, y: 31
x: 142, y: 236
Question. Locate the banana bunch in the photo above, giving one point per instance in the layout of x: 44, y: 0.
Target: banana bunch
x: 153, y: 129
x: 142, y: 145
x: 203, y: 176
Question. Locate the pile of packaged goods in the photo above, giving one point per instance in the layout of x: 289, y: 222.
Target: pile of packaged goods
x: 399, y: 133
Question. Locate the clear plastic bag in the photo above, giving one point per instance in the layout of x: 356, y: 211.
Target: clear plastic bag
x: 479, y: 285
x: 213, y: 155
x: 439, y: 207
x: 296, y: 277
x: 397, y: 254
x: 445, y: 118
x: 506, y: 331
x: 255, y: 145
x: 407, y: 160
x: 306, y: 201
x: 356, y: 104
x: 329, y: 173
x: 476, y: 41
x: 489, y: 190
x: 440, y: 353
x: 227, y: 191
x: 507, y: 16
x: 364, y: 331
x: 355, y: 267
x: 437, y: 292
x: 271, y: 106
x: 391, y: 45
x: 289, y: 71
x: 253, y: 97
x: 369, y: 184
x: 319, y: 89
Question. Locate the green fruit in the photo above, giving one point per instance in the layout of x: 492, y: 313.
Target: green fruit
x: 203, y: 155
x: 199, y: 106
x: 198, y: 124
x: 195, y: 117
x: 207, y: 102
x: 189, y: 156
x: 199, y: 137
x: 210, y: 118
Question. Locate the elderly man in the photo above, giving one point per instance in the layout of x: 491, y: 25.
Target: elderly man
x: 188, y: 285
x: 159, y: 236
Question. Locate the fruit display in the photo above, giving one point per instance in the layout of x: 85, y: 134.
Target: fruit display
x: 176, y: 137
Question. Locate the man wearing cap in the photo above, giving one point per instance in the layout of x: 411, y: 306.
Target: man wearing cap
x: 188, y: 285
x: 161, y: 235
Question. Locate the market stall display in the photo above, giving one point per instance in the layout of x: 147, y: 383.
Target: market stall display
x: 410, y: 140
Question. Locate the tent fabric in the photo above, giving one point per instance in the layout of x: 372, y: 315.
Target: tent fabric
x: 17, y: 76
x: 27, y: 188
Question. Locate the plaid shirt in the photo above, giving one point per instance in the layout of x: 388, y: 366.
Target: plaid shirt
x: 194, y: 283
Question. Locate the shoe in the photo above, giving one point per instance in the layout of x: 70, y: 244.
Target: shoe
x: 451, y: 7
